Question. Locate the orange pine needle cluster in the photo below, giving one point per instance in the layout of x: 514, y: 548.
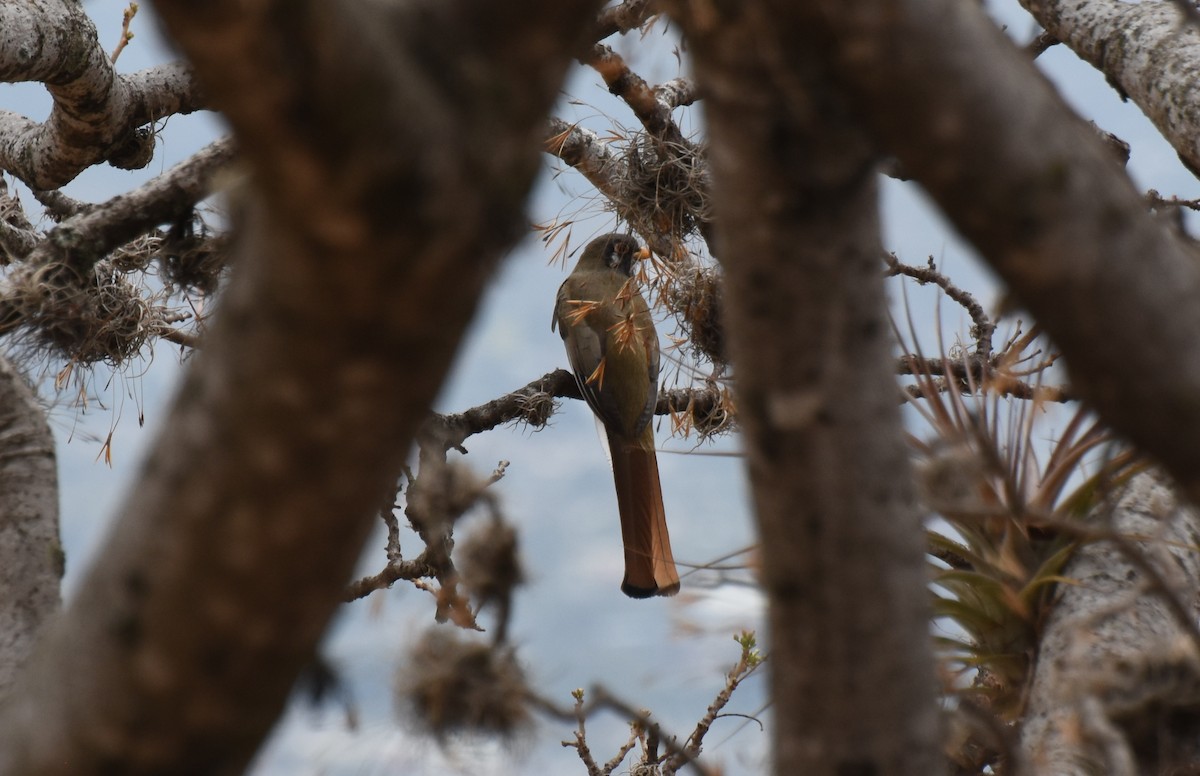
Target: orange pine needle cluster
x: 597, y: 375
x: 583, y: 308
x: 625, y: 330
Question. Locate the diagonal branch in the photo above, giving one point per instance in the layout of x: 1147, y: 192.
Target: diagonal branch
x: 1057, y: 219
x: 654, y: 114
x: 1145, y: 51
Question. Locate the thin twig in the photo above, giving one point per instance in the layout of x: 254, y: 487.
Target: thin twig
x: 126, y: 33
x: 982, y: 326
x: 1041, y: 44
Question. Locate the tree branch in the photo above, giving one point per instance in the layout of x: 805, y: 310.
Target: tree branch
x: 98, y: 114
x: 87, y: 237
x: 654, y: 114
x: 391, y: 150
x: 1119, y: 654
x: 1058, y: 220
x: 1144, y: 52
x: 623, y: 17
x: 31, y: 557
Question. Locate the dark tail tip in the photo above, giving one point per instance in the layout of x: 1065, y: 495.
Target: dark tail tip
x: 633, y: 591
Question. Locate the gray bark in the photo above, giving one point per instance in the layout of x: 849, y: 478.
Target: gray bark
x: 1117, y: 680
x: 31, y: 558
x: 1148, y: 51
x: 98, y: 115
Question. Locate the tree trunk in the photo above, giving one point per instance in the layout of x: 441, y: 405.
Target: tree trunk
x: 795, y: 198
x: 31, y: 558
x: 390, y: 149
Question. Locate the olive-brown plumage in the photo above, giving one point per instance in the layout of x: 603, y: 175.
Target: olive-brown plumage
x: 613, y: 349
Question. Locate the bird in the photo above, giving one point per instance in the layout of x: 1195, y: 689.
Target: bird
x: 612, y: 347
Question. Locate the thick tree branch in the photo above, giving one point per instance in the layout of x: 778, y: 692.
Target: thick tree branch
x: 59, y: 298
x: 391, y: 148
x: 1117, y: 680
x: 98, y: 115
x: 31, y: 558
x: 89, y: 236
x: 654, y: 114
x: 795, y: 196
x: 584, y: 150
x: 1148, y: 51
x: 1057, y: 219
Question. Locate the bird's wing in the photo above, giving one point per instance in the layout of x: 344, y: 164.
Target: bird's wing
x: 649, y: 342
x: 585, y: 336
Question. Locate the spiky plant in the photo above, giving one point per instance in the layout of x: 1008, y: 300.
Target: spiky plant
x: 1006, y: 506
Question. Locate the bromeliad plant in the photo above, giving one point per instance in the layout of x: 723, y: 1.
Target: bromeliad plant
x: 1008, y: 508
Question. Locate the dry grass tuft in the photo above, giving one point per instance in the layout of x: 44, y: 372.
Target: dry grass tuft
x: 452, y: 684
x: 97, y: 318
x: 666, y: 188
x: 695, y: 299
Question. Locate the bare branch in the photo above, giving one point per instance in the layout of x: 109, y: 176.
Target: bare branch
x: 59, y: 206
x: 677, y: 93
x: 983, y: 327
x: 85, y: 238
x: 98, y: 115
x: 600, y: 698
x: 1058, y: 219
x: 1015, y: 388
x: 1121, y: 645
x: 394, y: 571
x: 1041, y: 44
x: 655, y: 115
x: 126, y: 35
x: 748, y: 661
x: 533, y: 404
x: 61, y: 299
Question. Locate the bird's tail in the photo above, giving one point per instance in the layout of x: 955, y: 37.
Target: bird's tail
x: 649, y: 565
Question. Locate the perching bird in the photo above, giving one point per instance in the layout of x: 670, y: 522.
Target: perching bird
x: 613, y: 349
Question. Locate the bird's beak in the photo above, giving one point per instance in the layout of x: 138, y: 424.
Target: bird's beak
x: 642, y: 254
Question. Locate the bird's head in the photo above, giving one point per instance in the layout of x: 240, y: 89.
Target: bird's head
x: 617, y: 252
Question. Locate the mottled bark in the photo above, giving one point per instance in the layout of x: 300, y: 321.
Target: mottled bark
x: 98, y: 115
x: 1148, y: 51
x: 31, y: 558
x: 1117, y: 681
x: 390, y: 150
x: 794, y: 192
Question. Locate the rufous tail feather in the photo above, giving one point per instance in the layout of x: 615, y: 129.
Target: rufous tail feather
x: 649, y: 564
